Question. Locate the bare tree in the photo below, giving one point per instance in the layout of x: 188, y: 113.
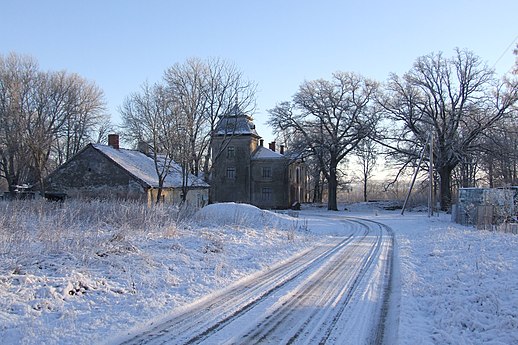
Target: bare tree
x: 87, y: 119
x: 18, y: 74
x: 34, y: 108
x: 515, y: 52
x: 197, y: 93
x: 456, y: 99
x: 499, y: 155
x: 225, y: 88
x: 148, y: 116
x: 333, y: 117
x: 204, y: 90
x: 185, y: 83
x: 366, y: 154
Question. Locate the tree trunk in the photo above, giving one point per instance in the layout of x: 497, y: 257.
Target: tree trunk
x: 11, y: 177
x: 206, y: 172
x: 490, y: 173
x: 365, y: 189
x: 445, y: 192
x: 318, y: 188
x: 159, y: 191
x: 332, y: 184
x: 185, y: 183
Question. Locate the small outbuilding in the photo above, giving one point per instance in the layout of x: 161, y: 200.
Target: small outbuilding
x: 110, y: 172
x: 486, y: 206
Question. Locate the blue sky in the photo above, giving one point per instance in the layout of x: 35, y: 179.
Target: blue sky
x: 277, y: 44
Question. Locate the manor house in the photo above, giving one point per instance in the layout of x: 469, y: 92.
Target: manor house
x: 245, y: 171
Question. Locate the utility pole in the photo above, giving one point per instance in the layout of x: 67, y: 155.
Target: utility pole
x: 430, y: 177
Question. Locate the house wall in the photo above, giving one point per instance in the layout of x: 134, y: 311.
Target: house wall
x: 277, y: 183
x: 287, y: 183
x: 92, y: 175
x: 196, y: 197
x: 237, y: 188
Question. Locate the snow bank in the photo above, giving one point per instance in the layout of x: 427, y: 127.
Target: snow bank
x: 246, y: 216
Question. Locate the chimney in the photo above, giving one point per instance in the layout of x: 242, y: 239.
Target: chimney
x: 272, y: 146
x: 282, y: 150
x: 261, y: 142
x: 113, y: 141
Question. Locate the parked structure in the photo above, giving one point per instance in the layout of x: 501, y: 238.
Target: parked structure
x: 485, y: 207
x: 110, y: 172
x: 243, y: 170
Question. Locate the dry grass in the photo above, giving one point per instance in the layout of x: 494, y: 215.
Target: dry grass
x: 80, y: 229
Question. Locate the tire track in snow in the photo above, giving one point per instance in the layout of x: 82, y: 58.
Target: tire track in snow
x: 307, y: 299
x: 322, y: 290
x: 228, y: 304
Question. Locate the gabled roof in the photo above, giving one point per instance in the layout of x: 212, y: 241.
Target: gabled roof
x: 236, y: 122
x: 142, y: 167
x: 264, y: 153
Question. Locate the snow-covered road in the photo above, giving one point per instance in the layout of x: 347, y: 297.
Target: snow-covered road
x: 334, y: 293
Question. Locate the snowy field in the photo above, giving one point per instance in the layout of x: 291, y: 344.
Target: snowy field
x: 70, y: 276
x: 458, y: 285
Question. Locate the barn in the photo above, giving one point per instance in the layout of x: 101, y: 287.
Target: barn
x: 110, y: 172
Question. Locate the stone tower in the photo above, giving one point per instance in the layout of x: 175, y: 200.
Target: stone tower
x: 233, y: 142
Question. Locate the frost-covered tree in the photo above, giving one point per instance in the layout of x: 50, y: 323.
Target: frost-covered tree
x: 332, y: 117
x: 35, y: 108
x: 149, y: 118
x: 456, y: 99
x: 189, y: 100
x: 367, y: 155
x: 499, y: 155
x: 204, y: 90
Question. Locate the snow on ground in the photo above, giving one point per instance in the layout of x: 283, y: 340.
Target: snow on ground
x: 457, y: 285
x: 80, y: 296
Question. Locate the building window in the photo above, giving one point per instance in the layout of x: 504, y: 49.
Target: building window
x: 297, y: 175
x: 231, y: 152
x: 266, y: 172
x: 231, y: 173
x: 267, y: 194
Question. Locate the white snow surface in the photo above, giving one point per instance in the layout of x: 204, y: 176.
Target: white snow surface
x: 455, y: 285
x: 264, y: 153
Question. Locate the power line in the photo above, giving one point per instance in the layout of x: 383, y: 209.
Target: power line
x: 505, y: 51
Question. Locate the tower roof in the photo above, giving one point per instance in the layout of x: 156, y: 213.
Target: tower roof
x: 235, y: 122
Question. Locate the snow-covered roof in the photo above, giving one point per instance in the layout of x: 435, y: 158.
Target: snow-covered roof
x: 236, y: 122
x: 143, y: 168
x: 264, y: 153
